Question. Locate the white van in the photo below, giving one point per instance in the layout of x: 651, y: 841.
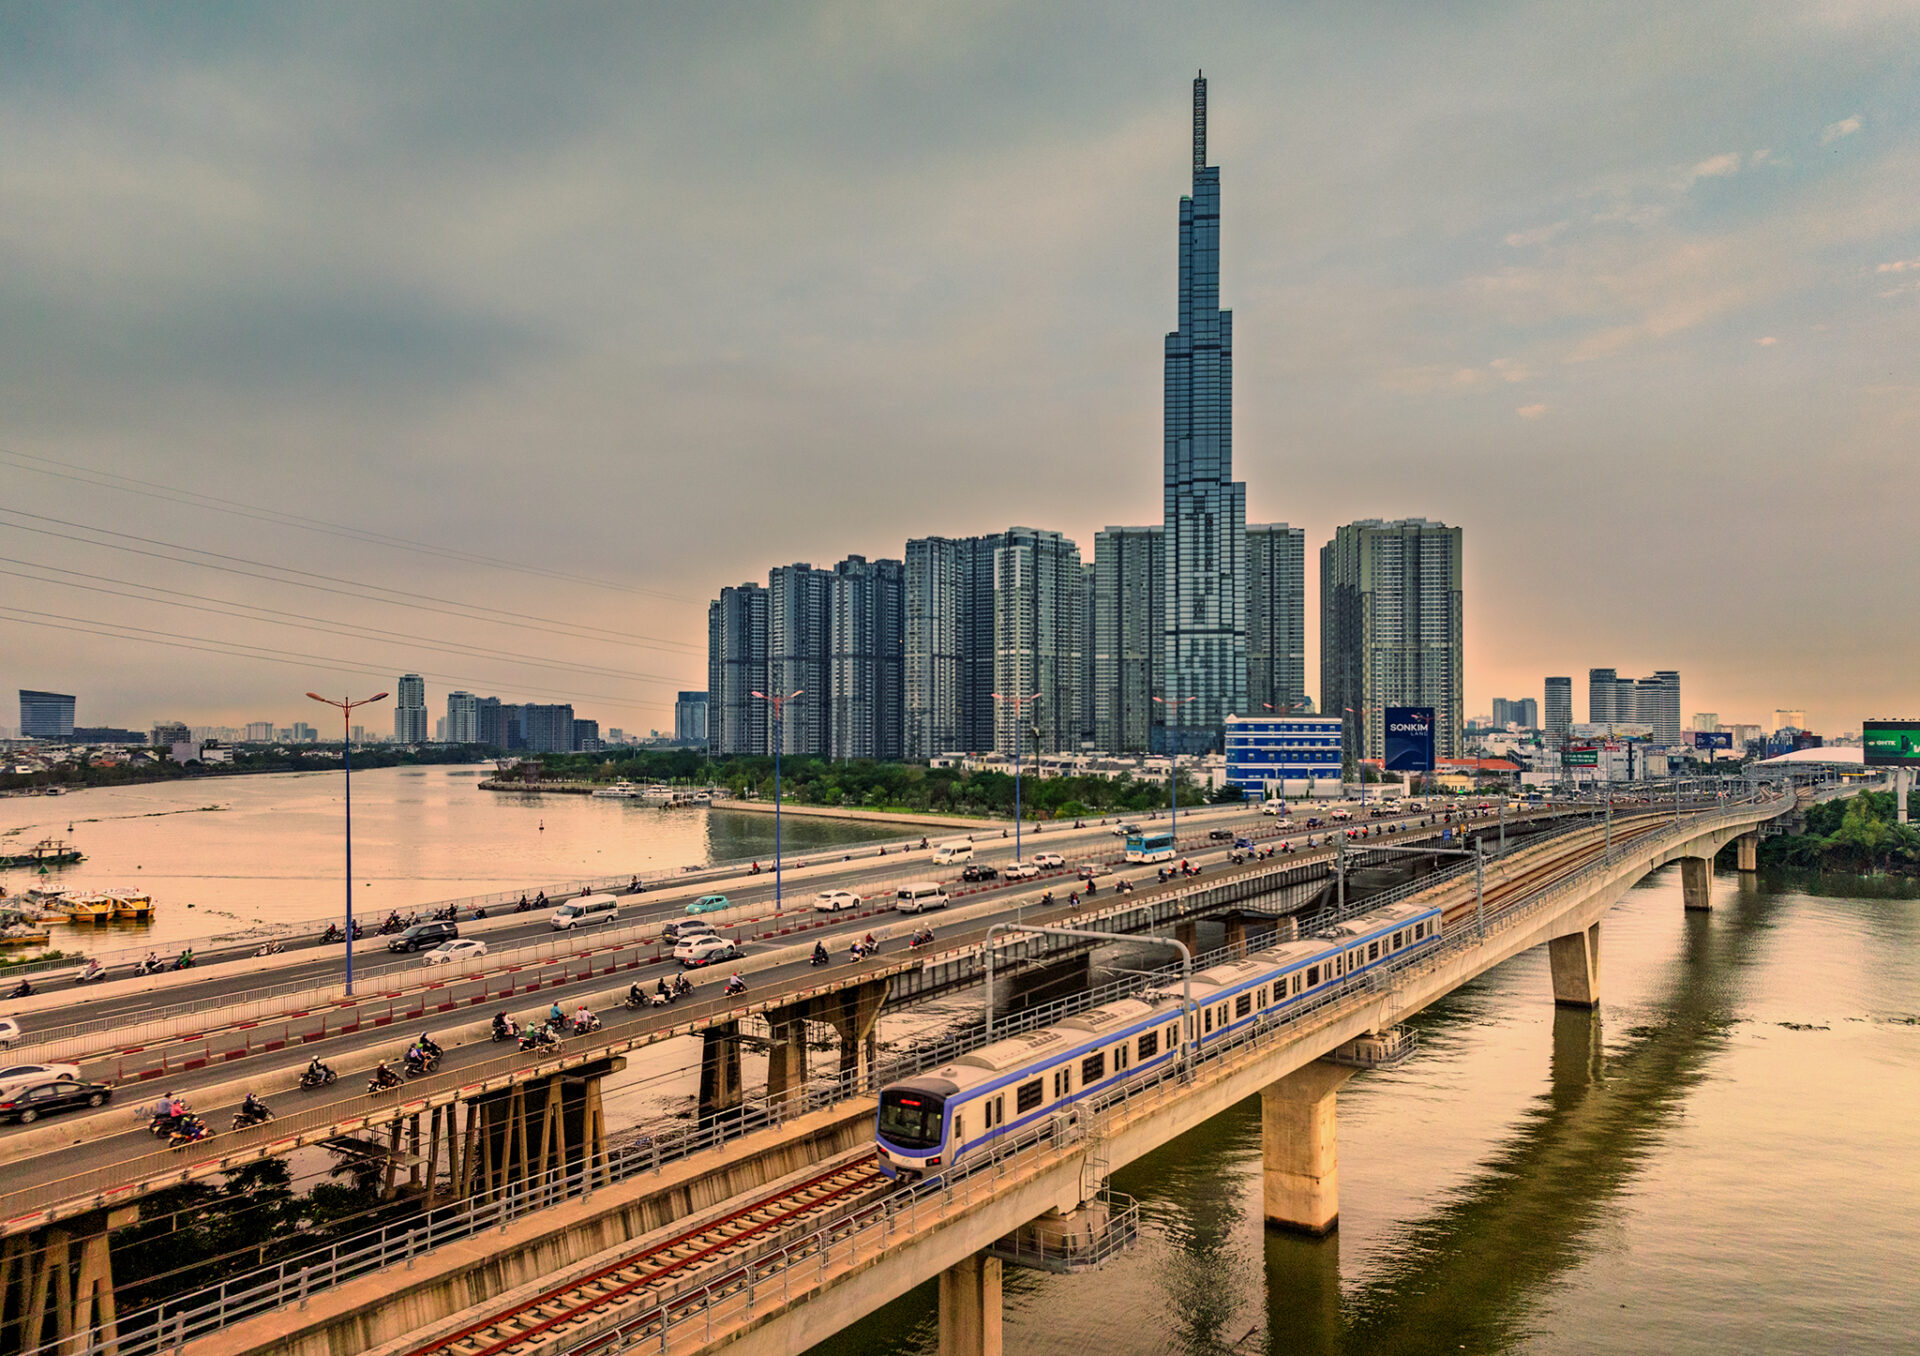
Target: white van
x: 585, y: 912
x: 953, y: 851
x: 921, y: 896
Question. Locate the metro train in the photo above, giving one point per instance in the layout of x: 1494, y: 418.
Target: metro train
x: 930, y: 1122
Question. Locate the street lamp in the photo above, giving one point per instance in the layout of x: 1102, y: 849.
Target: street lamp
x: 1359, y: 763
x: 779, y: 722
x: 346, y: 707
x: 1018, y: 704
x: 1173, y: 764
x: 1285, y: 709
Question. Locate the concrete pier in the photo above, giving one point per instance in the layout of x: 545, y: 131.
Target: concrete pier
x: 719, y: 1069
x: 786, y: 1054
x: 855, y: 1015
x: 1748, y: 847
x: 1575, y: 960
x: 970, y: 1307
x: 1696, y: 882
x: 1299, y: 1148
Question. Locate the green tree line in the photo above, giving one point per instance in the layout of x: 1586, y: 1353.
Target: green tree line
x: 1856, y: 834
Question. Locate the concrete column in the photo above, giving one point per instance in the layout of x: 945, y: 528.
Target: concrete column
x: 1187, y: 933
x: 719, y: 1069
x: 1575, y: 960
x: 1696, y: 882
x: 1298, y: 1148
x: 855, y: 1015
x: 970, y: 1307
x: 1748, y: 845
x: 786, y: 1054
x: 1237, y: 932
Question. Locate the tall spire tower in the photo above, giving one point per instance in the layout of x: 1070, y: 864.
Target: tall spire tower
x: 1206, y: 508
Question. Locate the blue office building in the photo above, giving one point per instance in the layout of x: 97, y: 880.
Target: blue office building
x: 1205, y: 529
x: 1266, y: 752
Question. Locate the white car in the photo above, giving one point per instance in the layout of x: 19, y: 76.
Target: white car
x: 465, y: 948
x: 705, y: 950
x: 1021, y: 871
x: 13, y: 1077
x: 832, y: 901
x: 1051, y: 861
x: 9, y: 1032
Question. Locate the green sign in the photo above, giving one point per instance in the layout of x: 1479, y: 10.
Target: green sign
x: 1580, y: 758
x: 1890, y: 743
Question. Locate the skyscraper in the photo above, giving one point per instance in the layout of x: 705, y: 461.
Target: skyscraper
x: 549, y: 729
x: 410, y: 710
x: 736, y: 666
x: 463, y: 718
x: 866, y: 653
x: 797, y: 638
x: 1600, y: 685
x: 1129, y: 636
x: 690, y: 718
x: 1037, y: 588
x: 1276, y: 618
x: 935, y: 638
x: 1205, y: 508
x: 1660, y: 705
x: 1559, y: 709
x: 1390, y: 628
x: 46, y: 715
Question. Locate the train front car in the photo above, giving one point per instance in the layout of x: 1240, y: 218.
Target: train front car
x: 912, y: 1128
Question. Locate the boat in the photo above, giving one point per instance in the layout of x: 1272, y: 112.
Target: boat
x: 130, y: 906
x: 79, y: 909
x: 622, y: 790
x: 23, y: 934
x: 46, y: 852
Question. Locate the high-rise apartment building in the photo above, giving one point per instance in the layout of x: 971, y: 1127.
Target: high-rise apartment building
x: 1276, y: 618
x: 737, y: 721
x: 1129, y: 636
x: 689, y: 719
x: 1390, y: 629
x: 549, y: 729
x: 259, y: 732
x: 1559, y: 709
x: 1205, y: 508
x: 1787, y: 719
x: 797, y: 647
x: 1600, y: 706
x: 497, y: 724
x: 1525, y: 713
x: 1037, y: 595
x: 936, y: 639
x: 1659, y: 705
x: 586, y: 736
x: 866, y: 659
x: 463, y: 718
x: 1706, y: 720
x: 46, y: 715
x: 410, y: 710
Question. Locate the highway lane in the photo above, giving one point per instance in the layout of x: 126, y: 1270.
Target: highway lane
x: 326, y: 967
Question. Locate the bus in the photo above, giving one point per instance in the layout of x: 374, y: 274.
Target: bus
x: 1150, y: 845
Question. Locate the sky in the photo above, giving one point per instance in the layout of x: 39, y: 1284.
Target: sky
x: 608, y: 306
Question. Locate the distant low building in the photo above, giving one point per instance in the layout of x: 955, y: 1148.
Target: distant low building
x: 46, y: 715
x: 167, y: 733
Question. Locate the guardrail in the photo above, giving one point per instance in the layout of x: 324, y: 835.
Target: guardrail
x: 181, y: 1318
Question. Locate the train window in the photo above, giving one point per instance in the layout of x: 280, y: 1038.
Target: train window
x: 1093, y: 1068
x: 1373, y: 951
x: 1263, y: 995
x: 1207, y: 1022
x: 1120, y: 1057
x: 1028, y: 1096
x: 1243, y: 1005
x: 1173, y: 1035
x: 1396, y: 941
x: 1313, y: 975
x: 1061, y: 1082
x: 1149, y: 1044
x: 960, y: 1128
x: 1000, y: 1111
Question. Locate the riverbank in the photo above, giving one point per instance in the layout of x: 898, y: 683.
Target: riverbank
x: 907, y: 819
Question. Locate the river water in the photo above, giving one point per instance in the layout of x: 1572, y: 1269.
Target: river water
x: 1723, y: 1160
x: 221, y: 853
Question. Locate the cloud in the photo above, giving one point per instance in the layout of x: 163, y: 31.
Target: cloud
x: 1432, y: 377
x: 1718, y: 167
x: 1766, y: 341
x: 1846, y: 127
x: 1899, y: 266
x: 1509, y: 369
x: 1539, y: 235
x: 1531, y: 411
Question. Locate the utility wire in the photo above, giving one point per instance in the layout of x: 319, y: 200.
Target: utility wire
x: 197, y: 499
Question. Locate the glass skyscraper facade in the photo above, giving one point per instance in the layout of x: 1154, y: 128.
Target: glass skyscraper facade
x: 1206, y: 509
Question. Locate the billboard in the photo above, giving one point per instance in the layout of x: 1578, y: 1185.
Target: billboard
x: 1409, y: 741
x: 1580, y: 758
x: 1890, y: 743
x: 1713, y: 739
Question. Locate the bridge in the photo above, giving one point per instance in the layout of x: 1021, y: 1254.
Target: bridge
x: 535, y: 1131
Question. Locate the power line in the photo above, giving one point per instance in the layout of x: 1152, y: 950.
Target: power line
x: 197, y: 499
x: 519, y: 619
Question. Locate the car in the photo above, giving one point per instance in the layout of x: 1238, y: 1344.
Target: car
x: 690, y: 927
x: 832, y: 901
x: 1122, y: 830
x: 1340, y: 815
x: 1273, y: 807
x: 1314, y: 821
x: 705, y: 950
x: 1221, y: 835
x: 16, y: 1076
x: 1022, y: 871
x: 9, y: 1032
x: 447, y: 953
x: 1051, y: 861
x: 31, y: 1101
x: 710, y: 904
x: 421, y: 936
x: 976, y: 872
x: 1093, y: 870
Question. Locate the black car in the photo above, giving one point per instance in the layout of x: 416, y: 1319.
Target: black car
x: 29, y: 1104
x: 423, y: 935
x: 976, y: 872
x: 1222, y: 835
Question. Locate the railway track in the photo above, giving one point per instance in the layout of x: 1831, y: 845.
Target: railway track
x: 550, y: 1321
x: 1499, y: 896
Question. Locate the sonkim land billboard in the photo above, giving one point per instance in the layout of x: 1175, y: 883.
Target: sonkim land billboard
x: 1890, y: 743
x: 1409, y: 742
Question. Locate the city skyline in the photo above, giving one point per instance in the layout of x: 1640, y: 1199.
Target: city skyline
x: 1686, y: 276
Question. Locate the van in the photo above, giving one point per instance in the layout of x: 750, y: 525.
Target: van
x: 585, y: 912
x: 959, y: 850
x: 921, y: 896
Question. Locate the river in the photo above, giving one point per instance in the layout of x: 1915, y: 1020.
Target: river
x: 220, y: 854
x: 1722, y: 1161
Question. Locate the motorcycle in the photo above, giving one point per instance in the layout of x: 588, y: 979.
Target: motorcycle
x: 153, y: 965
x: 259, y: 1115
x: 583, y: 1028
x: 820, y: 957
x: 94, y: 971
x: 317, y: 1076
x: 736, y: 987
x: 522, y: 906
x: 505, y: 1029
x: 682, y: 986
x: 392, y: 925
x: 539, y: 1038
x: 184, y: 961
x: 382, y: 1081
x: 331, y: 935
x: 270, y: 949
x: 162, y: 1127
x: 191, y: 1130
x: 21, y: 990
x: 421, y: 1066
x: 920, y: 939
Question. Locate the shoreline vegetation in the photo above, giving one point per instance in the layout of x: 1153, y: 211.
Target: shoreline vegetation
x: 1857, y: 836
x: 316, y: 758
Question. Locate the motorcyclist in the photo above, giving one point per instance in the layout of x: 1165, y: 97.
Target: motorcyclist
x: 151, y: 963
x: 416, y: 1057
x: 869, y: 945
x: 540, y: 900
x: 735, y: 984
x: 502, y: 1026
x: 584, y: 1020
x: 253, y: 1109
x: 682, y: 986
x: 428, y: 1046
x: 555, y: 1017
x: 23, y: 989
x: 663, y: 990
x: 385, y: 1077
x: 316, y: 1070
x: 856, y: 951
x: 820, y: 953
x: 92, y: 971
x: 635, y: 997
